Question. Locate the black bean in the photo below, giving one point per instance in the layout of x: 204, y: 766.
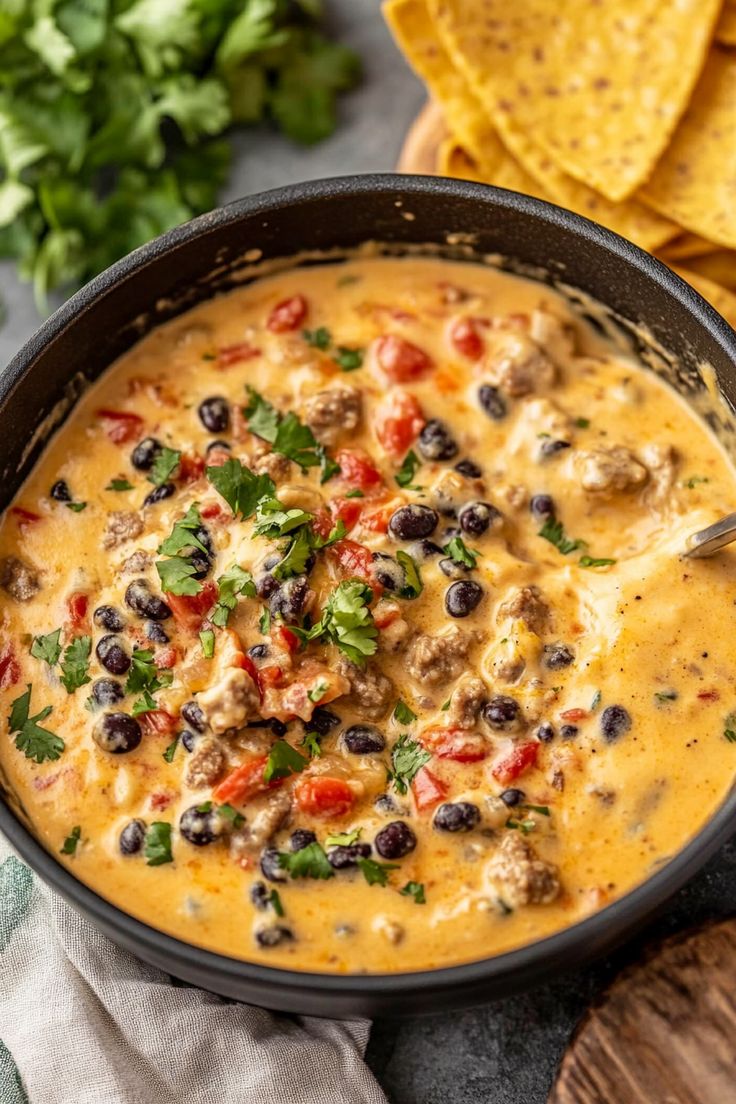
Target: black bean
x: 140, y: 598
x: 413, y: 522
x: 112, y: 655
x: 545, y: 732
x: 132, y: 837
x: 550, y: 447
x: 556, y: 656
x: 107, y: 691
x: 385, y: 803
x: 347, y: 855
x: 60, y: 491
x: 144, y: 454
x: 492, y: 402
x: 194, y: 716
x: 458, y: 816
x: 290, y: 599
x: 301, y: 838
x: 107, y: 617
x: 266, y: 584
x: 270, y: 867
x: 435, y: 442
x: 469, y: 469
x: 260, y: 895
x: 188, y: 739
x: 214, y: 413
x: 218, y: 444
x: 476, y: 517
x: 501, y: 713
x: 542, y: 506
x: 117, y: 733
x: 452, y: 569
x: 156, y: 633
x: 259, y: 651
x: 395, y: 840
x: 463, y: 597
x: 424, y: 550
x: 276, y: 726
x: 512, y: 796
x: 363, y: 739
x: 450, y: 532
x: 387, y: 571
x: 615, y: 722
x: 198, y: 827
x: 323, y: 720
x: 158, y: 494
x: 271, y: 937
x: 569, y: 731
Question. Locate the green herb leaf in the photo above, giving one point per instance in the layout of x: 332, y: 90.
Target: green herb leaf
x: 405, y: 475
x: 241, y: 488
x: 275, y: 902
x: 543, y: 810
x: 207, y: 640
x: 415, y: 890
x: 176, y: 573
x: 407, y: 758
x: 343, y: 839
x: 321, y: 338
x: 582, y: 423
x: 355, y: 493
x: 75, y: 664
x: 694, y: 480
x: 596, y: 701
x: 317, y: 692
x: 233, y: 584
x: 553, y: 531
x: 69, y: 845
x: 458, y: 551
x: 232, y: 815
x: 445, y: 706
x: 273, y: 519
x: 165, y: 464
x: 309, y: 862
x: 729, y: 730
x: 119, y: 485
x: 263, y: 418
x: 413, y: 585
x: 591, y: 561
x: 294, y: 561
x: 328, y: 466
x: 47, y: 648
x: 157, y: 845
x: 348, y: 359
x: 311, y: 743
x: 282, y: 761
x: 35, y: 742
x: 523, y: 826
x: 76, y: 507
x: 665, y: 695
x: 170, y: 752
x: 176, y: 576
x: 376, y: 873
x: 144, y: 676
x: 335, y: 534
x: 347, y: 621
x: 264, y: 623
x: 287, y: 434
x: 403, y: 714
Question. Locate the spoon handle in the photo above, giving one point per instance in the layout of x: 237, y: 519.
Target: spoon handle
x: 712, y: 538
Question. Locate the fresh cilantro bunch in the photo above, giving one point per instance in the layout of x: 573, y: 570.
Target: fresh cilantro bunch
x: 111, y: 113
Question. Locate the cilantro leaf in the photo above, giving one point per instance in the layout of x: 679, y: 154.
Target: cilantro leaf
x: 347, y: 621
x: 294, y: 561
x: 407, y: 758
x: 317, y: 692
x: 176, y: 576
x: 458, y: 551
x: 328, y: 466
x: 335, y: 534
x: 405, y: 475
x: 34, y: 741
x: 233, y: 584
x: 415, y: 890
x: 311, y: 743
x: 321, y: 338
x: 273, y: 519
x: 241, y: 488
x: 76, y: 507
x: 157, y: 845
x: 75, y: 664
x: 349, y: 359
x: 232, y: 815
x: 119, y: 485
x: 263, y: 417
x: 207, y: 640
x: 69, y: 845
x: 274, y: 901
x: 553, y: 531
x: 343, y: 839
x: 376, y: 873
x: 47, y: 648
x: 286, y: 433
x: 403, y: 714
x: 282, y: 761
x: 591, y: 561
x: 309, y: 862
x: 145, y: 676
x: 264, y: 623
x: 165, y: 464
x: 184, y: 534
x: 413, y: 585
x: 168, y: 755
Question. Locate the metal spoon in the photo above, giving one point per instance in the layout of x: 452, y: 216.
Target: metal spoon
x: 709, y: 540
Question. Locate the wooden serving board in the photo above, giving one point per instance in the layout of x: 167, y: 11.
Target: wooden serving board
x: 664, y: 1032
x: 419, y: 151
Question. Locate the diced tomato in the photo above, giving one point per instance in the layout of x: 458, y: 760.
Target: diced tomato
x: 25, y: 517
x: 190, y: 610
x: 428, y: 789
x: 515, y: 763
x: 288, y: 640
x: 191, y: 467
x: 574, y: 714
x: 377, y: 520
x: 401, y: 360
x: 346, y: 510
x: 466, y: 339
x: 160, y: 800
x: 216, y: 457
x: 245, y: 782
x: 9, y: 667
x: 357, y: 469
x: 233, y: 354
x: 287, y: 315
x: 77, y: 604
x: 166, y: 658
x: 120, y: 425
x: 213, y: 510
x: 385, y: 613
x: 398, y: 420
x: 455, y: 744
x: 324, y: 796
x: 266, y: 677
x: 159, y: 722
x: 354, y: 560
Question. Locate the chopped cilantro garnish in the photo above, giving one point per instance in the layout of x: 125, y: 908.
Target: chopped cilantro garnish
x: 665, y: 695
x: 232, y: 815
x: 165, y: 464
x: 347, y: 621
x: 543, y: 810
x: 413, y: 585
x: 69, y: 845
x: 119, y: 485
x: 282, y: 761
x: 207, y: 640
x: 75, y: 664
x: 157, y: 846
x: 35, y: 742
x: 286, y: 433
x: 694, y: 480
x: 294, y: 561
x: 729, y: 729
x: 145, y: 704
x: 553, y: 531
x: 348, y: 359
x: 596, y: 701
x: 76, y: 507
x: 317, y: 692
x: 335, y: 534
x: 458, y: 551
x: 403, y: 714
x: 415, y: 890
x: 264, y: 623
x: 233, y: 584
x: 263, y: 417
x: 241, y: 488
x: 321, y: 338
x: 582, y: 423
x: 407, y: 757
x: 376, y: 873
x: 273, y: 519
x: 328, y: 466
x: 275, y: 902
x: 405, y: 475
x: 170, y: 752
x: 144, y: 677
x: 524, y: 826
x: 355, y: 493
x: 591, y: 561
x: 309, y: 862
x: 176, y: 573
x: 176, y: 576
x: 343, y: 839
x: 445, y: 706
x: 47, y: 648
x: 311, y: 743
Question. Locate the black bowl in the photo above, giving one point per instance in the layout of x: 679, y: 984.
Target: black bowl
x: 193, y: 262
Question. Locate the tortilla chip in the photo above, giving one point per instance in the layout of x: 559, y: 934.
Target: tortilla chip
x: 695, y: 182
x: 726, y: 25
x: 719, y: 297
x: 416, y: 35
x: 687, y: 245
x: 453, y: 160
x: 599, y: 86
x: 720, y: 267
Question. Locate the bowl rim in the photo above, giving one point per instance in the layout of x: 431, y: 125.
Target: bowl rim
x: 571, y: 945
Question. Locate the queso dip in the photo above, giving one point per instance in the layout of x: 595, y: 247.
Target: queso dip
x: 343, y: 626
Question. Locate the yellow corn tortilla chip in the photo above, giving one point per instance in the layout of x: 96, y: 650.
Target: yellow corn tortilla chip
x: 453, y: 160
x: 687, y: 245
x: 726, y: 25
x: 719, y: 297
x: 416, y: 35
x: 599, y: 86
x: 695, y: 182
x: 720, y: 267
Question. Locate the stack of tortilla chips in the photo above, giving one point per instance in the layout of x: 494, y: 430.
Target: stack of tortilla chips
x: 622, y: 111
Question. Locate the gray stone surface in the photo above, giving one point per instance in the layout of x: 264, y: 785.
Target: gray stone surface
x: 507, y: 1052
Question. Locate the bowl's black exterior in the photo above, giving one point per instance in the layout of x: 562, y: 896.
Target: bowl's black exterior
x: 189, y: 264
